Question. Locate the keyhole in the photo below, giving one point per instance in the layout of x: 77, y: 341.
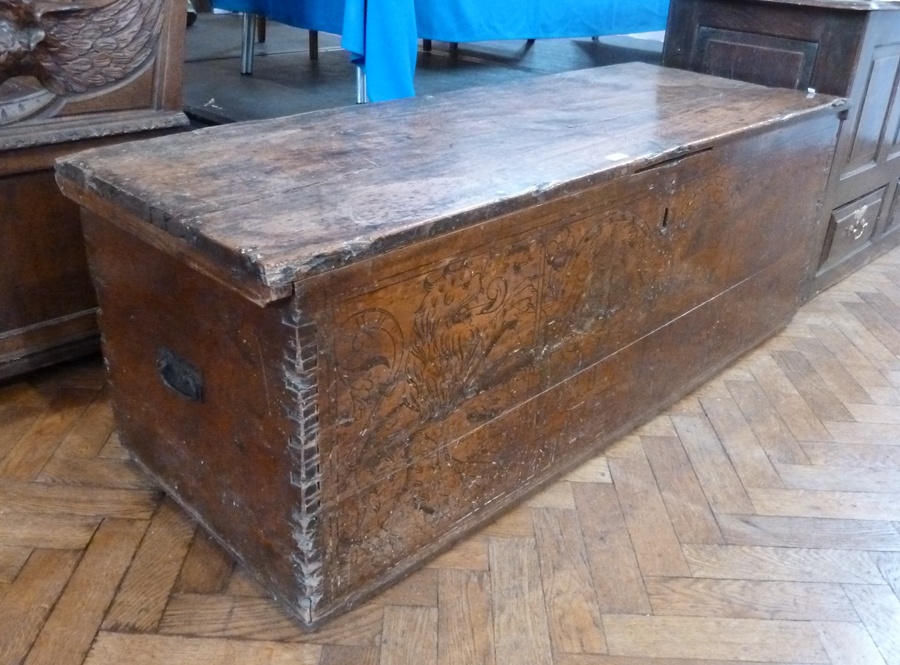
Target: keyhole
x: 665, y: 220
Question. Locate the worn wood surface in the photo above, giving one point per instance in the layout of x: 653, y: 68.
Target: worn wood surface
x: 842, y: 48
x: 414, y: 168
x: 337, y: 439
x: 46, y: 299
x: 776, y: 588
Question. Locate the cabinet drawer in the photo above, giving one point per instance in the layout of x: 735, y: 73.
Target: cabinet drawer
x: 851, y: 227
x: 893, y: 218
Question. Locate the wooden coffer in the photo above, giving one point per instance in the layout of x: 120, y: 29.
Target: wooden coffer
x: 354, y: 336
x: 72, y: 75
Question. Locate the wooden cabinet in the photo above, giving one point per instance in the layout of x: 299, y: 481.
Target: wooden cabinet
x: 71, y: 78
x: 840, y: 47
x: 426, y: 309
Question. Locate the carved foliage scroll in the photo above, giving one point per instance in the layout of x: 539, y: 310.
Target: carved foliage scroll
x: 459, y: 343
x: 442, y: 374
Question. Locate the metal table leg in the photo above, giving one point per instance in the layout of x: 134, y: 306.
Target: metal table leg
x: 248, y: 37
x: 362, y: 97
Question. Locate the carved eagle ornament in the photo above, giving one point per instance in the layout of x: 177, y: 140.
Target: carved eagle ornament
x: 76, y: 46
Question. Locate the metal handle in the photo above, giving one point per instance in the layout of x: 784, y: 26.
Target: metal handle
x: 179, y: 376
x: 858, y: 227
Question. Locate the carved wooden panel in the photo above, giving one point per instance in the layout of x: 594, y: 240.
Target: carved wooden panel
x: 61, y: 59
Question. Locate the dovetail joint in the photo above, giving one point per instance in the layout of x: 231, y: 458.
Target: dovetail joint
x: 303, y: 444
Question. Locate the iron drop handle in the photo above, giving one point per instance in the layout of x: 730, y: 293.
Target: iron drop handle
x: 179, y: 376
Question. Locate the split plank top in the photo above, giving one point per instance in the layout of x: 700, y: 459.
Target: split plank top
x: 270, y: 202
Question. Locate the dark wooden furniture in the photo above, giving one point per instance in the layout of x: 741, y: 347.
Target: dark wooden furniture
x: 847, y: 48
x: 350, y: 337
x: 106, y: 72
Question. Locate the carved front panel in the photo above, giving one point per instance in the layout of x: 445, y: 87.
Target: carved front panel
x: 454, y: 344
x: 460, y: 370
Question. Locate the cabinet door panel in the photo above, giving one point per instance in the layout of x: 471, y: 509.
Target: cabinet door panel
x: 875, y: 106
x: 763, y: 59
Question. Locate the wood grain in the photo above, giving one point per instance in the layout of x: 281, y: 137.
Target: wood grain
x: 409, y: 636
x: 837, y: 378
x: 145, y: 589
x: 652, y: 536
x: 793, y: 409
x: 573, y: 612
x: 470, y: 123
x: 864, y: 433
x: 112, y: 648
x: 518, y: 604
x: 771, y: 431
x: 748, y: 458
x: 739, y: 639
x: 90, y: 433
x: 27, y: 602
x: 849, y: 644
x: 28, y: 499
x: 70, y: 629
x: 771, y: 563
x: 811, y: 386
x: 206, y: 567
x: 842, y: 505
x: 720, y: 481
x: 749, y: 599
x: 614, y: 566
x: 26, y: 459
x: 11, y: 561
x: 400, y: 381
x: 774, y: 531
x: 50, y: 531
x: 465, y: 629
x: 879, y: 608
x: 690, y: 514
x: 876, y: 455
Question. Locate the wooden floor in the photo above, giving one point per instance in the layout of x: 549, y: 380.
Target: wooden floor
x: 757, y: 520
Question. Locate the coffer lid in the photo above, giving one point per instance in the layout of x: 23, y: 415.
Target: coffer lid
x: 263, y: 204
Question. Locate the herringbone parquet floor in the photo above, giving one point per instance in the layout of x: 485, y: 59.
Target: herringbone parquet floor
x: 758, y: 520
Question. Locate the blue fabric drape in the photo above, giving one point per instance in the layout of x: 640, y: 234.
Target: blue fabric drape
x: 382, y: 35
